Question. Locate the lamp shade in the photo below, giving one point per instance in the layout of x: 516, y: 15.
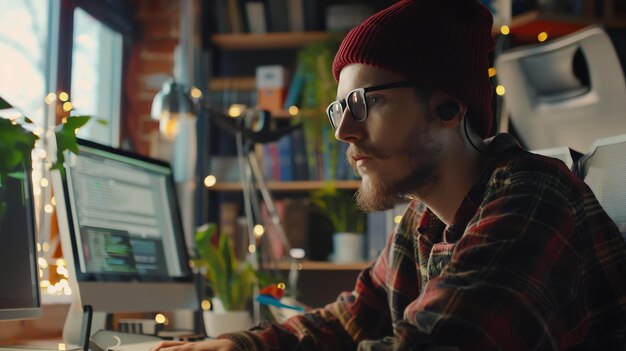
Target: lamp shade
x: 169, y: 106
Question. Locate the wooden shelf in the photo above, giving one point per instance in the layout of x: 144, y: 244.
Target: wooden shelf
x: 286, y: 40
x: 322, y: 266
x: 292, y: 186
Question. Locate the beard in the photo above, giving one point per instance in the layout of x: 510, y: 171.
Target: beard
x: 421, y: 154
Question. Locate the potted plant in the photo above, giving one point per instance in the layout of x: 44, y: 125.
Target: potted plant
x: 348, y: 222
x: 231, y: 282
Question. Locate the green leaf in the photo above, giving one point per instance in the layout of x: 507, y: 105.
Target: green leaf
x: 17, y: 175
x: 101, y: 121
x: 74, y: 122
x: 4, y: 105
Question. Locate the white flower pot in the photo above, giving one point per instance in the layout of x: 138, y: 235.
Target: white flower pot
x: 217, y: 323
x: 348, y: 247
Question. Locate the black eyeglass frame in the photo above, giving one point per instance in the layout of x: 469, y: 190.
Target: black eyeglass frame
x: 345, y: 101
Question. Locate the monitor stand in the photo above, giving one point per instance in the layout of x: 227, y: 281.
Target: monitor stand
x: 81, y: 322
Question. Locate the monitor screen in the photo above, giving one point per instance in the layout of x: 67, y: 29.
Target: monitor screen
x: 19, y: 296
x: 124, y: 228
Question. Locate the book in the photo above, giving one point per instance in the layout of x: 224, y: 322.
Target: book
x: 277, y: 17
x: 313, y: 15
x: 296, y: 15
x: 255, y: 15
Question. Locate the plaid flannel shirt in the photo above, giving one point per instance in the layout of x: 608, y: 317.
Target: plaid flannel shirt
x: 530, y: 262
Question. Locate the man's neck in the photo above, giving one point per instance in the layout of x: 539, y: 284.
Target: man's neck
x: 459, y: 170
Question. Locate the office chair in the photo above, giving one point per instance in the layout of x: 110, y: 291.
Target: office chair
x: 567, y: 92
x: 604, y: 170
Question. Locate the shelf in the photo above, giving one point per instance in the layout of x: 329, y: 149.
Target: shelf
x: 292, y: 186
x: 322, y: 266
x: 286, y: 40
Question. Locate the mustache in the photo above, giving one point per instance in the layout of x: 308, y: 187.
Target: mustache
x: 364, y: 150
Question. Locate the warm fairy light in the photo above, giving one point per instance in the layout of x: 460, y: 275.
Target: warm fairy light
x: 236, y: 110
x: 43, y: 264
x: 210, y: 180
x: 258, y: 231
x: 76, y: 130
x: 297, y: 253
x: 543, y: 36
x: 48, y: 208
x: 505, y: 30
x: 67, y: 291
x: 206, y: 305
x: 38, y: 247
x: 251, y: 248
x: 38, y: 131
x: 491, y: 71
x: 44, y: 284
x: 500, y: 90
x: 160, y: 318
x: 191, y: 264
x: 397, y: 219
x: 44, y: 182
x: 300, y: 266
x: 63, y: 96
x: 293, y: 110
x: 53, y: 201
x: 61, y: 347
x: 45, y: 247
x: 61, y: 262
x: 196, y: 93
x: 64, y: 120
x: 281, y: 286
x: 50, y: 98
x: 67, y: 106
x: 61, y: 270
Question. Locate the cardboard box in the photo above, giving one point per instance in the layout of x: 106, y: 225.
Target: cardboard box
x: 271, y: 82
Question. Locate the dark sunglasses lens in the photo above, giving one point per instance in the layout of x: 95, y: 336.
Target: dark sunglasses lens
x: 356, y: 103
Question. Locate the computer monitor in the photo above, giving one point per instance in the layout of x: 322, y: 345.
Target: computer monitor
x: 19, y: 295
x: 121, y: 232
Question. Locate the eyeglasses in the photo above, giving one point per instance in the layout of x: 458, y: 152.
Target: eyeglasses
x: 357, y: 102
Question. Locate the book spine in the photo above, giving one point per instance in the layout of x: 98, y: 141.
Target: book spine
x: 284, y: 154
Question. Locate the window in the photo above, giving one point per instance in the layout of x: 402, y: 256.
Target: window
x: 97, y: 77
x: 30, y: 54
x: 24, y: 35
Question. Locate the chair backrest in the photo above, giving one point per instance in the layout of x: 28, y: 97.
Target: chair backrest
x: 569, y: 91
x: 604, y: 170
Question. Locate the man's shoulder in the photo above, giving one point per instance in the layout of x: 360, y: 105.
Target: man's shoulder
x: 516, y: 167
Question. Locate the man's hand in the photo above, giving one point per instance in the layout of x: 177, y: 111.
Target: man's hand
x: 208, y: 345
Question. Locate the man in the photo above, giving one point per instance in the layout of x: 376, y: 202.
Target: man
x: 512, y: 252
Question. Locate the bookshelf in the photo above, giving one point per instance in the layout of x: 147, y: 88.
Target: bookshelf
x: 295, y: 186
x: 321, y: 266
x: 276, y: 40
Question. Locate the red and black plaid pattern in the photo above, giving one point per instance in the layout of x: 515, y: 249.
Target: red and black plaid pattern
x: 531, y: 262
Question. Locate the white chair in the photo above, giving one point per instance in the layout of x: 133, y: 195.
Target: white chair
x: 550, y: 105
x: 604, y: 170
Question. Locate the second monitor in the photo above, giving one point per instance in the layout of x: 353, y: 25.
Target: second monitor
x: 122, y: 233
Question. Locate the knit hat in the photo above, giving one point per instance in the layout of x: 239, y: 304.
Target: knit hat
x: 441, y: 44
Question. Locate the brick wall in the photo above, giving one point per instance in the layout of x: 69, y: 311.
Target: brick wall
x: 150, y: 64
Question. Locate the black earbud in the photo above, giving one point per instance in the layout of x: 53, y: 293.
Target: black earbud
x: 448, y: 110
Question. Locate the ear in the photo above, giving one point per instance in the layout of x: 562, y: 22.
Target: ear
x: 447, y: 110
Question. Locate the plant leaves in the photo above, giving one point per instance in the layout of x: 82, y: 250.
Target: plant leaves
x: 74, y: 122
x: 101, y: 121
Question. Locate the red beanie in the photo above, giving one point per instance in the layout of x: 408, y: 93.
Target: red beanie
x: 441, y: 44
